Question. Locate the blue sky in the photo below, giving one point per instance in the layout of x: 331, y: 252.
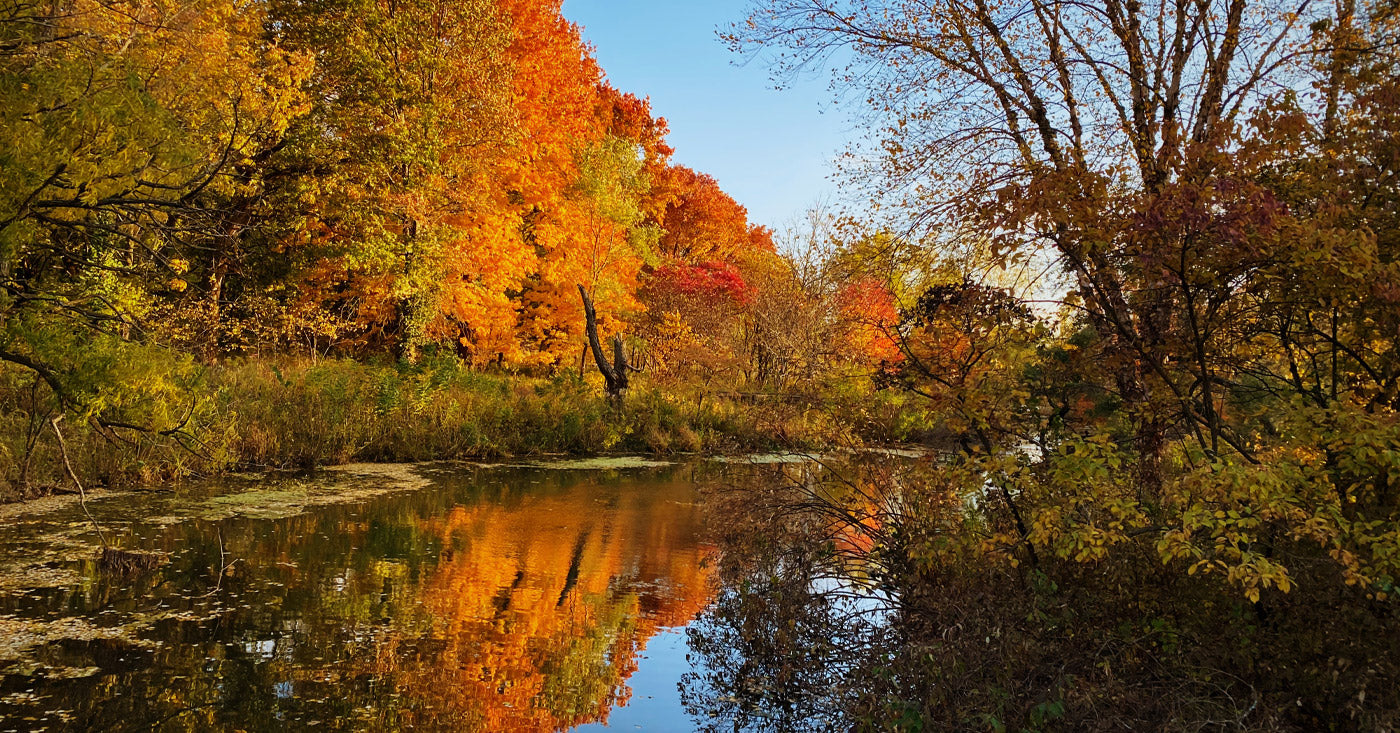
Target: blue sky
x: 770, y: 150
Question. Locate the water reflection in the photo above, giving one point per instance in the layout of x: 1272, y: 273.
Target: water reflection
x: 799, y: 635
x: 503, y: 599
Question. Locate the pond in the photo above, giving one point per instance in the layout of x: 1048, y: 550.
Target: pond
x: 427, y: 597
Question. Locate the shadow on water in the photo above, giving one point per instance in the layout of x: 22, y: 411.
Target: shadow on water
x: 437, y: 598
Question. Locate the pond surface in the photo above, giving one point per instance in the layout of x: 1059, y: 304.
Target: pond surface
x: 367, y: 598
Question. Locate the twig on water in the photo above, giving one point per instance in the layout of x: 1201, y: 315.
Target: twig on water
x: 68, y: 465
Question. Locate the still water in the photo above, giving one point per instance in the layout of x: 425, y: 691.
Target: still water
x: 471, y: 598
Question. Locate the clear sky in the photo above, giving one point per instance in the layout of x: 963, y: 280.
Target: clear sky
x: 770, y: 150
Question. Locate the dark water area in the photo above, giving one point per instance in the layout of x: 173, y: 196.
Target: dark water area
x: 370, y: 598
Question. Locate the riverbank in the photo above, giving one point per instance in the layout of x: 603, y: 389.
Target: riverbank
x: 285, y: 414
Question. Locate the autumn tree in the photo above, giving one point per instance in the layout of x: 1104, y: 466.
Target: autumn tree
x: 127, y: 129
x: 1085, y: 132
x: 1210, y: 417
x: 791, y: 328
x: 1038, y: 120
x: 701, y: 221
x: 584, y: 175
x: 412, y: 109
x: 694, y: 320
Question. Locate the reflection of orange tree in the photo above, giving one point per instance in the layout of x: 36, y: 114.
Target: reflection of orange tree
x: 541, y: 610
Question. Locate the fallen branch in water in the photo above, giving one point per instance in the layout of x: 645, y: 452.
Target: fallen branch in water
x: 224, y: 566
x: 82, y: 495
x: 113, y: 560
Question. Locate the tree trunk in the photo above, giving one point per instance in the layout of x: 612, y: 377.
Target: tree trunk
x: 615, y: 375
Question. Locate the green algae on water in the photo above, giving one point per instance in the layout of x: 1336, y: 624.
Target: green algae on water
x: 765, y: 459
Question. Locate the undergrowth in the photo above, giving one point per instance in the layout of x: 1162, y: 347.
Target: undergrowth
x: 299, y: 414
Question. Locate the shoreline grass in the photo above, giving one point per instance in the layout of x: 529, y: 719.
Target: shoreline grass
x: 261, y: 413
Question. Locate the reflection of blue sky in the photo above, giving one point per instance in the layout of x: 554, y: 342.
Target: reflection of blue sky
x: 656, y: 697
x: 768, y: 149
x: 264, y: 649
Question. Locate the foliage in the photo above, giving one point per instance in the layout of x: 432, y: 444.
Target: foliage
x: 1199, y: 431
x: 186, y: 183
